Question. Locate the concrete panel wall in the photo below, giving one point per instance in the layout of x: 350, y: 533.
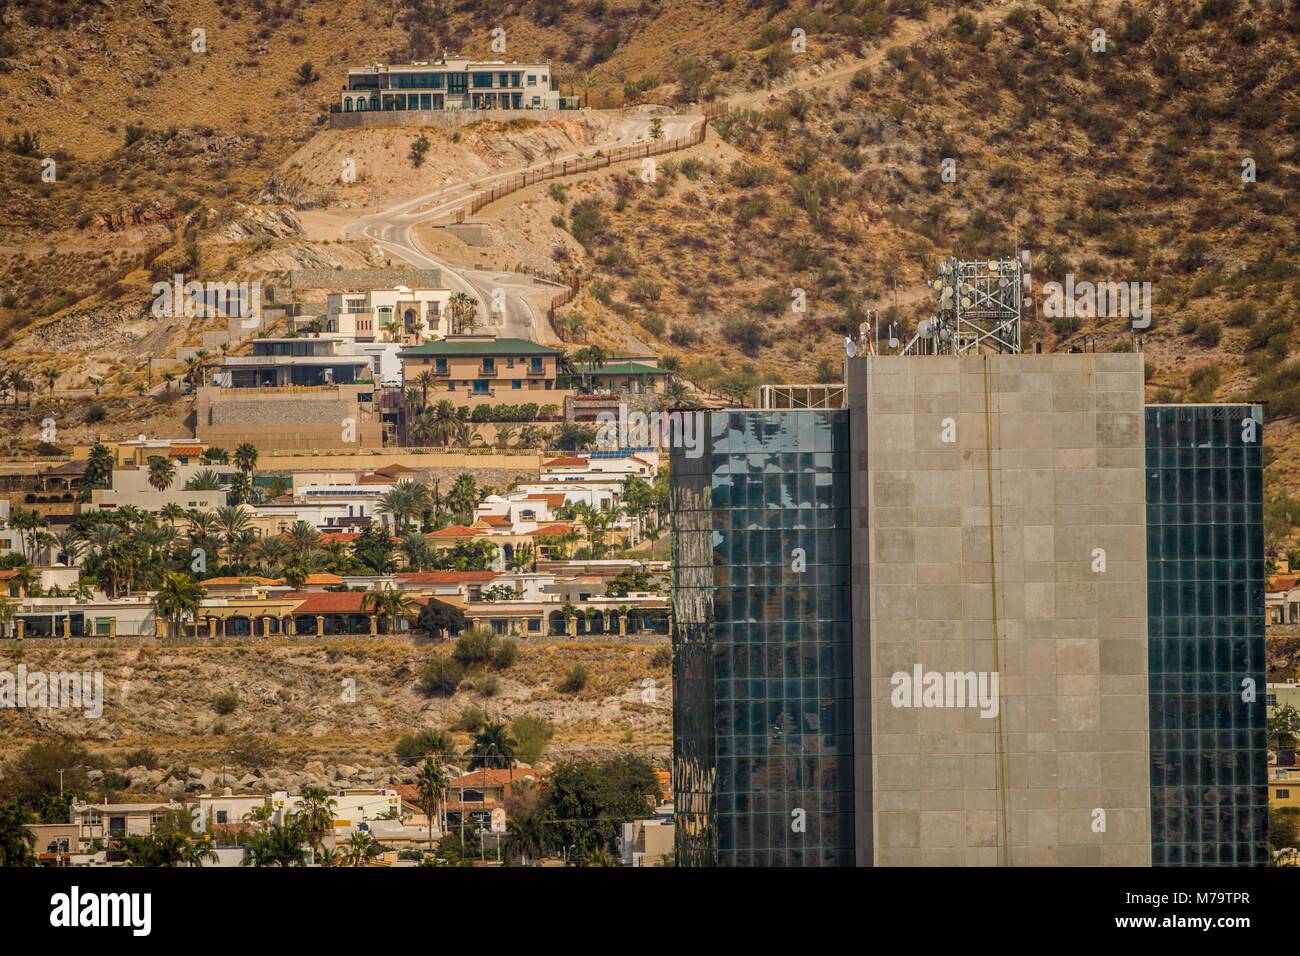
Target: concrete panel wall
x: 988, y: 492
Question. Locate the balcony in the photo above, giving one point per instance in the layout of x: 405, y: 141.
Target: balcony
x: 537, y: 373
x: 485, y: 372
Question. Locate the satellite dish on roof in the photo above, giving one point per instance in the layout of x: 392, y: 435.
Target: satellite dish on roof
x: 850, y: 347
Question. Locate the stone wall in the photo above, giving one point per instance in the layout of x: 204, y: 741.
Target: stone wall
x: 983, y: 487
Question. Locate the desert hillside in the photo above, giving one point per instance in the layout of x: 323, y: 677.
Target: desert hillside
x: 271, y: 708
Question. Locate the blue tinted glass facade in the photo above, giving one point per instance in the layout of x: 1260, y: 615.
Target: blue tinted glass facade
x: 763, y: 736
x: 1205, y: 568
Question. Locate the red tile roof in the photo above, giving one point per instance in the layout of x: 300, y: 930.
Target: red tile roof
x: 495, y: 776
x: 331, y: 602
x: 446, y: 577
x: 552, y: 498
x: 1281, y: 582
x: 234, y: 582
x: 322, y: 578
x: 456, y: 531
x: 564, y: 462
x: 551, y: 529
x: 396, y: 469
x: 498, y: 520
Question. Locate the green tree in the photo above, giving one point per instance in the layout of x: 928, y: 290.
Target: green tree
x: 1284, y: 726
x: 179, y: 598
x: 162, y: 472
x: 16, y: 840
x: 431, y: 785
x: 493, y: 747
x: 246, y: 457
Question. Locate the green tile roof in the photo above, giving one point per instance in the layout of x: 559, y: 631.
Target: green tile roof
x: 621, y: 368
x: 496, y: 347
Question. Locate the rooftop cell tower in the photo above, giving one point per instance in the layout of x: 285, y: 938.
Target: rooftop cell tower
x: 978, y: 309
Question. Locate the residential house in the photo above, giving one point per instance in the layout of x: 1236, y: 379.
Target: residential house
x: 454, y: 83
x: 483, y: 369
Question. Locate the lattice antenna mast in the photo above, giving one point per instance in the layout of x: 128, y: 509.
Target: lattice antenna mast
x: 979, y: 305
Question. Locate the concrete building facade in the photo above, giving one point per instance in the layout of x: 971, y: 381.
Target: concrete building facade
x: 1041, y: 649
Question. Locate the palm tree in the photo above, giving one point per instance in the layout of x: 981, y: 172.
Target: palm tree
x: 162, y: 472
x: 526, y: 836
x: 504, y: 434
x: 492, y: 743
x: 278, y: 845
x: 204, y: 480
x: 602, y: 857
x: 171, y: 513
x: 299, y: 565
x: 195, y: 853
x: 51, y: 376
x: 234, y: 521
x: 259, y: 816
x: 69, y: 544
x: 246, y: 457
x: 316, y: 813
x: 389, y: 605
x: 20, y: 383
x: 273, y: 552
x: 361, y: 847
x: 28, y: 524
x: 302, y: 536
x: 464, y: 312
x: 431, y: 784
x: 202, y: 524
x: 419, y: 552
x: 96, y: 383
x: 425, y: 380
x: 179, y: 597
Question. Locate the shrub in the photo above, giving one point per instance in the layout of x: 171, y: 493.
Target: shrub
x: 143, y: 757
x: 574, y: 681
x: 1209, y: 332
x: 225, y: 703
x: 471, y: 720
x: 486, y: 684
x: 1243, y: 313
x: 413, y: 748
x: 475, y: 647
x: 662, y: 657
x: 441, y: 676
x: 507, y: 653
x: 531, y: 734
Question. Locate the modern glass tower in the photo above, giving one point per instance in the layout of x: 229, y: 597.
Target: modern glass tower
x: 1024, y: 517
x: 763, y: 745
x: 1205, y: 586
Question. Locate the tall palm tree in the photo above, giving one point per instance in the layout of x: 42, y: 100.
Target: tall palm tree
x: 316, y: 813
x: 29, y: 524
x: 162, y: 472
x: 425, y: 380
x: 234, y: 521
x: 464, y: 312
x: 431, y: 785
x: 171, y: 513
x: 246, y: 457
x: 179, y: 597
x: 51, y: 376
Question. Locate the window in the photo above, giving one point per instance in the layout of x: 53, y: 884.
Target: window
x: 535, y: 365
x: 482, y: 81
x: 489, y: 365
x: 532, y: 79
x: 440, y: 365
x: 223, y: 816
x: 516, y: 383
x: 481, y: 388
x: 1283, y: 794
